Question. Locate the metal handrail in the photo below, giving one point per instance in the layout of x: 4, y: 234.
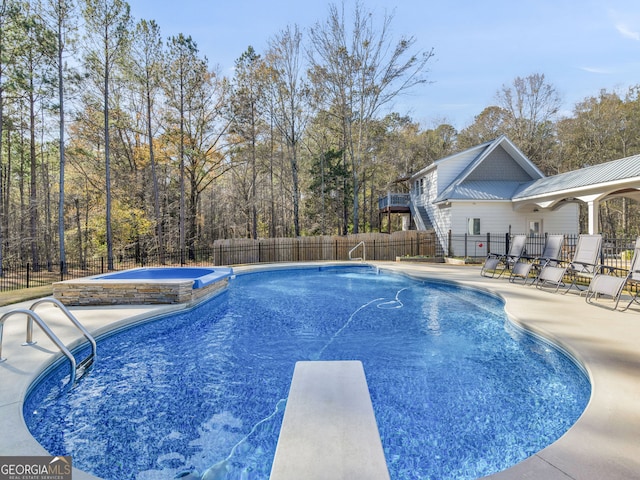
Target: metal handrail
x: 364, y: 252
x: 87, y: 361
x: 52, y: 336
x: 33, y: 316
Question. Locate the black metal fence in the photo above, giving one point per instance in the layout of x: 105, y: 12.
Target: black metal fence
x: 233, y: 252
x: 615, y: 252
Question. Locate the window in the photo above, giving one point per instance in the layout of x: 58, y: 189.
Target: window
x: 421, y: 186
x: 535, y: 227
x: 473, y: 226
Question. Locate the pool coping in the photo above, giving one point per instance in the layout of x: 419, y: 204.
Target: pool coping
x: 603, y: 443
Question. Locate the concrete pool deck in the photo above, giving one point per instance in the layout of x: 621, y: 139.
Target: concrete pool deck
x: 604, y: 442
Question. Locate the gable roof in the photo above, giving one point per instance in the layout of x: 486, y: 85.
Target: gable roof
x: 626, y: 169
x: 495, y: 170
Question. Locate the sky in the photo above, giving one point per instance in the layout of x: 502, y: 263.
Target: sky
x: 580, y: 46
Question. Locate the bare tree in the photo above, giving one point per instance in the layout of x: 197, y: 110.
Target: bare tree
x: 291, y: 95
x: 356, y: 72
x: 531, y: 104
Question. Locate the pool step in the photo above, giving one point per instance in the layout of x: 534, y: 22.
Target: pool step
x: 329, y: 430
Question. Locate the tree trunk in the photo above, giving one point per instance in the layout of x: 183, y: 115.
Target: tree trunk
x: 63, y: 257
x: 107, y: 168
x: 33, y: 172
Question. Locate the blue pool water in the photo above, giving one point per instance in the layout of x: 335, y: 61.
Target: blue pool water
x: 458, y: 392
x: 201, y: 276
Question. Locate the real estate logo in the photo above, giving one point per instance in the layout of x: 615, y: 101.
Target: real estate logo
x: 35, y: 468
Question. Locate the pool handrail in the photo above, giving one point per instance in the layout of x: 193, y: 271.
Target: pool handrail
x: 52, y: 336
x: 33, y: 316
x: 87, y: 361
x: 364, y: 252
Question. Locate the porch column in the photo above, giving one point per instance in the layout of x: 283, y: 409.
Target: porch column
x: 593, y: 216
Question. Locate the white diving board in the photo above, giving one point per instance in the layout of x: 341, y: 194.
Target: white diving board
x: 329, y: 430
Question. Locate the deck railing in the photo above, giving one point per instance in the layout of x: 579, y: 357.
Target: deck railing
x: 394, y: 200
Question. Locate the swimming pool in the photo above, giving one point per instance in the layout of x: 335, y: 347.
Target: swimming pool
x: 458, y: 392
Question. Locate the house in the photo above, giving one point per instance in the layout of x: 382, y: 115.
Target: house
x: 494, y: 188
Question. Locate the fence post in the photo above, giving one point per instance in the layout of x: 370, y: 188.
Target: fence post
x: 466, y: 239
x: 488, y: 243
x: 28, y: 273
x: 61, y: 271
x: 450, y: 244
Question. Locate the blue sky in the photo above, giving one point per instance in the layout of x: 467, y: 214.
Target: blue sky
x: 580, y: 46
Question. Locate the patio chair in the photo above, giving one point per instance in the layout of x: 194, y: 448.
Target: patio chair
x: 610, y: 281
x: 583, y: 264
x: 495, y: 263
x: 550, y: 256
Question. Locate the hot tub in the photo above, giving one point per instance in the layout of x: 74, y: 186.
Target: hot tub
x: 144, y: 286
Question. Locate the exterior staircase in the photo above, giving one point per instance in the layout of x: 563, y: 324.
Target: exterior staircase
x: 420, y: 217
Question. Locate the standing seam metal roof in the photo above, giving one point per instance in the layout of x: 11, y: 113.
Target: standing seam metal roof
x: 615, y: 170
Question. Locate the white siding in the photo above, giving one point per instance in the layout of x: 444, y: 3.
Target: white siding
x: 500, y: 217
x: 440, y: 217
x: 450, y: 170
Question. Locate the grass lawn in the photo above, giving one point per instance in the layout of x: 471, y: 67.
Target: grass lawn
x: 14, y: 296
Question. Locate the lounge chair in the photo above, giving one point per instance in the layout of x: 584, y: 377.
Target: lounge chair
x: 610, y: 281
x: 583, y: 265
x: 497, y: 264
x: 550, y: 256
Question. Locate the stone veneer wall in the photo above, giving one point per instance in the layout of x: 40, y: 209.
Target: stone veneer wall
x: 83, y: 292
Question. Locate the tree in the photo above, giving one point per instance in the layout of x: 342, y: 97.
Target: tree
x: 355, y: 73
x: 291, y: 94
x: 531, y: 104
x: 8, y: 35
x: 206, y: 158
x: 62, y: 15
x: 146, y: 67
x: 107, y: 24
x: 248, y: 97
x: 488, y: 125
x: 34, y: 78
x: 184, y: 71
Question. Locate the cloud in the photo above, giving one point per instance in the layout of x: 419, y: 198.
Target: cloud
x: 625, y: 31
x: 601, y: 71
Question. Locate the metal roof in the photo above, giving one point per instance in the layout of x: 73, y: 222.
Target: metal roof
x: 609, y: 172
x: 463, y: 189
x: 480, y: 190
